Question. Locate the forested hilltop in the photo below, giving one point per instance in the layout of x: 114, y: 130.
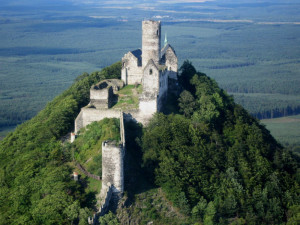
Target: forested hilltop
x: 217, y: 163
x: 206, y: 160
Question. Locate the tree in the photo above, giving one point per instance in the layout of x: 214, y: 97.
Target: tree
x: 186, y: 72
x: 72, y: 211
x: 108, y: 219
x: 209, y: 216
x: 187, y: 103
x: 199, y: 210
x: 84, y: 214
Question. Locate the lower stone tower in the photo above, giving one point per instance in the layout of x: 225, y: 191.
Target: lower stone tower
x: 112, y: 166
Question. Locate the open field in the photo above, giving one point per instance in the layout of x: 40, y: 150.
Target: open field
x: 285, y: 129
x: 251, y: 49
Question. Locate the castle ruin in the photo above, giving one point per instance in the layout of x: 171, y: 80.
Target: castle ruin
x: 154, y: 68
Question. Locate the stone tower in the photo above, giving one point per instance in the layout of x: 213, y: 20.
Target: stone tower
x: 112, y: 167
x: 151, y: 41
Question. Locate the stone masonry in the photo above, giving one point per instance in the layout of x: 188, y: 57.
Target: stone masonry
x: 152, y: 67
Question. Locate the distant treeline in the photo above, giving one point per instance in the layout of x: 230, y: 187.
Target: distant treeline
x: 268, y: 87
x: 277, y: 112
x: 232, y: 65
x: 266, y: 106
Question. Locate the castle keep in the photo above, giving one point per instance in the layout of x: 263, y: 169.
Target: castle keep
x: 152, y: 67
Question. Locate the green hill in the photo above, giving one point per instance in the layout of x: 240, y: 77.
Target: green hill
x: 35, y: 181
x: 216, y: 163
x: 212, y: 163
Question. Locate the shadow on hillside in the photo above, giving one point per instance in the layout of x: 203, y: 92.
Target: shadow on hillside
x: 171, y: 104
x: 90, y: 199
x: 136, y: 178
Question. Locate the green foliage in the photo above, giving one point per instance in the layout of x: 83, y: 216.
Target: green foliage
x: 199, y: 210
x: 187, y: 71
x: 128, y: 97
x: 151, y: 205
x: 35, y: 181
x: 186, y: 103
x: 108, y: 219
x: 87, y: 147
x: 209, y: 214
x: 72, y: 211
x: 220, y: 162
x: 84, y: 213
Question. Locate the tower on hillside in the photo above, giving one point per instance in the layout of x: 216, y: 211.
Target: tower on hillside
x: 151, y: 41
x: 151, y: 66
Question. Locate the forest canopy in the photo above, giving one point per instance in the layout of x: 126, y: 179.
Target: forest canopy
x: 213, y: 161
x: 35, y: 182
x: 217, y: 163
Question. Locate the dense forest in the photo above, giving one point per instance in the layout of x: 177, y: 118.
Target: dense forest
x: 213, y: 161
x: 35, y: 182
x: 217, y: 163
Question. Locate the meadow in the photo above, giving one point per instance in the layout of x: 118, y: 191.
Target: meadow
x: 285, y: 130
x: 252, y: 50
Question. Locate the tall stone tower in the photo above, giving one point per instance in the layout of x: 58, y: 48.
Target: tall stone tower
x: 112, y: 167
x: 151, y: 41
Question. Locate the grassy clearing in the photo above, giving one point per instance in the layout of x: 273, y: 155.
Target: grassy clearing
x: 92, y: 186
x: 87, y: 148
x: 285, y: 129
x: 128, y: 97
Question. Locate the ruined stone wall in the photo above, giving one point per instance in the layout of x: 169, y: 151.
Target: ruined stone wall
x: 122, y: 130
x: 151, y: 45
x: 147, y: 106
x: 163, y: 82
x: 102, y: 99
x: 106, y: 196
x: 163, y: 89
x: 137, y: 116
x: 89, y: 115
x: 171, y: 60
x: 142, y: 115
x: 99, y: 94
x: 113, y: 162
x: 131, y: 71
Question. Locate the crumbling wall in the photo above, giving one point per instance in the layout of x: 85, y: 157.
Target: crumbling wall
x: 113, y: 162
x: 163, y: 89
x: 88, y: 115
x: 147, y: 105
x: 101, y: 99
x: 131, y: 72
x: 105, y: 198
x: 171, y: 60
